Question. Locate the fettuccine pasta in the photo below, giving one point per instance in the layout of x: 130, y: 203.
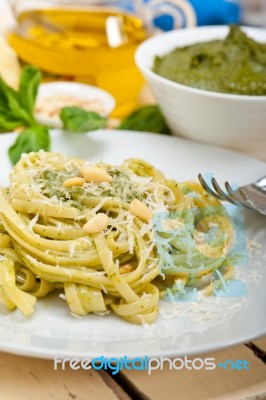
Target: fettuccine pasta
x: 105, y: 237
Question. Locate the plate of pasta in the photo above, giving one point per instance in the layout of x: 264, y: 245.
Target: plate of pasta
x: 109, y: 246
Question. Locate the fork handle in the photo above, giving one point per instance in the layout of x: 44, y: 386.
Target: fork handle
x: 261, y: 184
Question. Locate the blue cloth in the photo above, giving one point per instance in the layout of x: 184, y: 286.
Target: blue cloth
x: 216, y: 12
x: 208, y: 12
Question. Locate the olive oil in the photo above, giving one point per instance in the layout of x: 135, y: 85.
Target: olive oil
x: 94, y: 46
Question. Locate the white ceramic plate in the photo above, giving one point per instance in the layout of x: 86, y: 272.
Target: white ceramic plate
x: 80, y: 91
x: 181, y: 328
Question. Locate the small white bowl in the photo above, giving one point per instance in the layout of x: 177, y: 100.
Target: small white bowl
x: 78, y: 91
x: 229, y: 120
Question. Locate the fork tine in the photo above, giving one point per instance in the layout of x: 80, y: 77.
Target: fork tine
x: 248, y: 202
x: 243, y: 194
x: 243, y: 198
x: 206, y: 186
x: 221, y: 193
x: 232, y: 194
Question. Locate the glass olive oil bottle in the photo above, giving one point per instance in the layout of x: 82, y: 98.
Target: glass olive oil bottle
x: 94, y: 46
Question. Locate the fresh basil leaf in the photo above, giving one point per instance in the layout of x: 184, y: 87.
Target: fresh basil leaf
x: 32, y: 139
x: 10, y: 100
x: 147, y: 119
x: 8, y: 97
x: 8, y: 123
x: 30, y: 80
x: 6, y: 91
x: 77, y: 120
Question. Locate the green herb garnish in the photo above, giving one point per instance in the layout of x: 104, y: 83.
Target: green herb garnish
x: 17, y: 107
x: 17, y: 110
x: 32, y: 139
x: 77, y: 120
x: 146, y: 119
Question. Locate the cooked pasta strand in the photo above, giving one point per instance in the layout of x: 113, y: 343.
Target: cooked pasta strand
x: 152, y: 227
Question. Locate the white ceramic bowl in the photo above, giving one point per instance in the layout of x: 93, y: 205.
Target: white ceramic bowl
x: 234, y: 121
x: 76, y: 90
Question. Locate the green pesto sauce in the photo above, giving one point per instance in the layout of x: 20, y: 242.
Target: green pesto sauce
x: 53, y: 185
x: 236, y: 65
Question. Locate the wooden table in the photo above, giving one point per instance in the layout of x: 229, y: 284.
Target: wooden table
x: 23, y: 378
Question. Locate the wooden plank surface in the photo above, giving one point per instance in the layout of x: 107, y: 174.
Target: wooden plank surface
x: 23, y: 378
x: 218, y: 384
x: 261, y: 343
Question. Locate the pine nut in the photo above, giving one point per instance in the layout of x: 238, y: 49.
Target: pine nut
x: 125, y: 269
x: 96, y: 224
x: 140, y: 210
x: 95, y: 174
x: 76, y: 181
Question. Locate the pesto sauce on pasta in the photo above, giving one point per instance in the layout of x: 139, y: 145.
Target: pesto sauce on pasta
x: 121, y: 267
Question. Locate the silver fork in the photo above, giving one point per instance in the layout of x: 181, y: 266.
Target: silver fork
x: 252, y: 196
